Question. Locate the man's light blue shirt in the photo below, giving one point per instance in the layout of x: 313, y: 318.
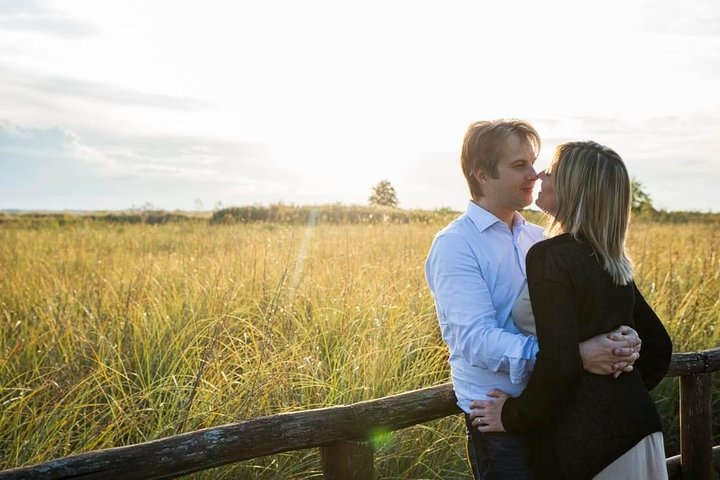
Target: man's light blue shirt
x: 476, y: 271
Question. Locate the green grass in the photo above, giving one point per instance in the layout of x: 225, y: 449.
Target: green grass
x: 114, y: 334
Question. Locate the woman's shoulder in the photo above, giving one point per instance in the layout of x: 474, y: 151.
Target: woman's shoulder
x: 554, y: 245
x: 556, y: 254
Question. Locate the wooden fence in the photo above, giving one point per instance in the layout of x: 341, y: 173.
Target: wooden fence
x: 342, y: 433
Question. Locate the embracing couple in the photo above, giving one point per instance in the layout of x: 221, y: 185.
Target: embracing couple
x: 544, y: 327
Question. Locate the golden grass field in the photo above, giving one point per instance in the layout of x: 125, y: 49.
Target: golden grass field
x: 118, y: 334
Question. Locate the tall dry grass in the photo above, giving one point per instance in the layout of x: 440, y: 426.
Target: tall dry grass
x: 113, y: 334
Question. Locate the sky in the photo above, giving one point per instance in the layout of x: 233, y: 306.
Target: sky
x: 111, y: 105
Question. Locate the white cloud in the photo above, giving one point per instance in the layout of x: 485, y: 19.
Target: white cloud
x: 29, y: 15
x: 56, y: 88
x: 53, y: 168
x: 316, y: 101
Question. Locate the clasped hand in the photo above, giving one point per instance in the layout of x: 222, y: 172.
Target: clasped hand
x: 611, y: 354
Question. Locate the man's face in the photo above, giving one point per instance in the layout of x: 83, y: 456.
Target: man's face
x: 513, y: 188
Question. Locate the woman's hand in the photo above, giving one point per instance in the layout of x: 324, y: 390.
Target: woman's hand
x: 486, y: 414
x: 612, y: 353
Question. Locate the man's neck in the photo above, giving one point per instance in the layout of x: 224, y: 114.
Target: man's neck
x: 505, y: 216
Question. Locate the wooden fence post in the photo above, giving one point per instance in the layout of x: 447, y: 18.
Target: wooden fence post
x: 348, y: 460
x: 696, y: 451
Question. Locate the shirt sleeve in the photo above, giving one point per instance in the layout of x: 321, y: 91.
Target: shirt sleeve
x: 467, y: 316
x: 559, y: 363
x: 656, y: 350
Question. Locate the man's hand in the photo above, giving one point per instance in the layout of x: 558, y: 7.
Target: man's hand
x: 486, y: 414
x: 611, y: 353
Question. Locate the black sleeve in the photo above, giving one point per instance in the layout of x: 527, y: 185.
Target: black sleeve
x: 558, y: 363
x: 656, y: 349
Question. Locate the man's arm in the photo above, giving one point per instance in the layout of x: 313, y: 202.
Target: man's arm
x: 467, y: 315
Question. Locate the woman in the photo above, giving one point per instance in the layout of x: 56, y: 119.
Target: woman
x: 580, y: 284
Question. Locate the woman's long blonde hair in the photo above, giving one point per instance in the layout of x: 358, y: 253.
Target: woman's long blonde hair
x: 593, y: 194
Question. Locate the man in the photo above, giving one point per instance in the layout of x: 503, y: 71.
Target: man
x: 476, y: 271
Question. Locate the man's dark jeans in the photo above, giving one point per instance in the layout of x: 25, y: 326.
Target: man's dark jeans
x: 497, y: 456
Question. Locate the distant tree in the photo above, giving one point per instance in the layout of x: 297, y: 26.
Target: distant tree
x: 383, y: 195
x: 641, y: 201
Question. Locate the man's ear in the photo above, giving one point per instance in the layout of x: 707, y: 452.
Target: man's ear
x: 480, y: 176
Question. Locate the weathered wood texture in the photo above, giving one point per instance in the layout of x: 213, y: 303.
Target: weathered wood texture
x: 705, y: 361
x: 696, y: 427
x: 191, y: 452
x: 675, y: 469
x: 348, y: 460
x: 211, y: 447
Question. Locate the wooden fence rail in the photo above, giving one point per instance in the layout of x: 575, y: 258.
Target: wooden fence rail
x: 343, y: 432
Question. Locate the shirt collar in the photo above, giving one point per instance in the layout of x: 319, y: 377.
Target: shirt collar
x: 484, y: 219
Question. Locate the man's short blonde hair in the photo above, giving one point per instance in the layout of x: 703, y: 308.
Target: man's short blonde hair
x: 484, y: 145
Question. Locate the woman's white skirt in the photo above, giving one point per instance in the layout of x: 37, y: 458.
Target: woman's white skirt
x: 646, y: 460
